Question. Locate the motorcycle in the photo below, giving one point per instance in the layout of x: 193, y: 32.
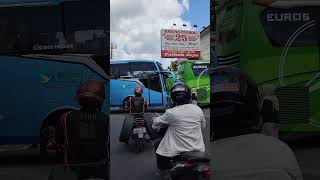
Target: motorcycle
x: 192, y: 165
x: 139, y: 131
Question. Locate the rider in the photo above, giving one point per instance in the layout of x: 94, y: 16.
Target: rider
x: 239, y: 150
x: 183, y: 133
x: 137, y: 104
x: 85, y: 132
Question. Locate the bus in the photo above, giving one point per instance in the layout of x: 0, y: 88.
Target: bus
x: 127, y: 74
x: 276, y: 43
x: 195, y: 73
x: 47, y: 48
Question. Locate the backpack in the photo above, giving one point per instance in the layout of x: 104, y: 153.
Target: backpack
x: 88, y: 136
x: 137, y: 104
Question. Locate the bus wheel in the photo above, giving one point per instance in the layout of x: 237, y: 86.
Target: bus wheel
x: 46, y: 142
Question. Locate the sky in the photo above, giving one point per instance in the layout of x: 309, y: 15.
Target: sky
x: 136, y: 24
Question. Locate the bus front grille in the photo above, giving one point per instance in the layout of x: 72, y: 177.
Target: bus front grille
x: 294, y: 104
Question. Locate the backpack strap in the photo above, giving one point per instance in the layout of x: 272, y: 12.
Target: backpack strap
x: 144, y: 104
x: 64, y: 120
x: 130, y: 105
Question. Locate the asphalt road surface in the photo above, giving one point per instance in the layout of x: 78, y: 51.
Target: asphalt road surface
x: 126, y: 163
x: 23, y: 162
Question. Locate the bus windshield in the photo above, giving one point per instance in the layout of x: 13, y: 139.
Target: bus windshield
x: 200, y: 68
x: 298, y: 24
x: 132, y: 69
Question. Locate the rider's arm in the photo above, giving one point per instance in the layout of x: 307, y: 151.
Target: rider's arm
x: 160, y: 121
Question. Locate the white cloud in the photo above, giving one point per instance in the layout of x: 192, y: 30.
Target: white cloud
x: 186, y: 4
x: 135, y: 25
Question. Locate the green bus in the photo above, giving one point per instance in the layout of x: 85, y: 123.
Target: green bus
x: 195, y: 74
x: 276, y: 42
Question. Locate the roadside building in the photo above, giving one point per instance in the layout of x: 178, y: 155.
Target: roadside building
x: 205, y: 43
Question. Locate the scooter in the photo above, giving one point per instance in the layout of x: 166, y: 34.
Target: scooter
x: 192, y: 165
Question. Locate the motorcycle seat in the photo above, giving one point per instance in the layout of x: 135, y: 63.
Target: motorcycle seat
x: 195, y: 156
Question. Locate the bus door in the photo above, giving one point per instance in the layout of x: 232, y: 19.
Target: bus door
x: 169, y: 80
x: 155, y: 86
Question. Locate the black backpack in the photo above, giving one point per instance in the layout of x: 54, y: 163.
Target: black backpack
x: 88, y: 136
x: 137, y: 105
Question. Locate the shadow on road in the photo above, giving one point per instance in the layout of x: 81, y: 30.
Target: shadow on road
x: 29, y: 156
x: 301, y: 140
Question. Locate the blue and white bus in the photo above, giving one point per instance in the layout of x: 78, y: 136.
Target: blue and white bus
x: 46, y: 49
x: 127, y: 74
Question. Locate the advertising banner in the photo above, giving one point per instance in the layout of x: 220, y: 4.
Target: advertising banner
x: 180, y: 44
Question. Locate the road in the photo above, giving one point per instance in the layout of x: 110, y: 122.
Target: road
x: 126, y: 163
x: 307, y: 151
x: 23, y: 162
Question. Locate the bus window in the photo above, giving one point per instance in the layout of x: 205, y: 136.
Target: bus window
x: 138, y: 68
x: 281, y: 25
x: 118, y: 70
x: 54, y: 29
x: 15, y: 31
x: 199, y: 68
x: 155, y: 83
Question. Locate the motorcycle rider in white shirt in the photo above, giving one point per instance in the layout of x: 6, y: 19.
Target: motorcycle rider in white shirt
x: 184, y: 124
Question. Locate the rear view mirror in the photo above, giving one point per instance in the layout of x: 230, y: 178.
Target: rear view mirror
x: 193, y: 96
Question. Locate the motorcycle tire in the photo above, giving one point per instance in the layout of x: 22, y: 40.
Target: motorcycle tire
x: 151, y: 132
x: 126, y: 130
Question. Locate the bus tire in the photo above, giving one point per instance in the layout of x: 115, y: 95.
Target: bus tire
x: 49, y: 124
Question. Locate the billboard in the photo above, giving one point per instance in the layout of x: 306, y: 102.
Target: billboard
x: 180, y: 44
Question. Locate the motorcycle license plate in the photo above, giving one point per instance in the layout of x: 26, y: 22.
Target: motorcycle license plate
x: 139, y: 130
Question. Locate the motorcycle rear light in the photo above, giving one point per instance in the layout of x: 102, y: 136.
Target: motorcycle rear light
x: 183, y: 165
x: 207, y: 175
x: 204, y: 170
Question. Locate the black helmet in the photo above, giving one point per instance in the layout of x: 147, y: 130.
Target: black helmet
x: 180, y: 94
x: 234, y: 101
x: 91, y: 93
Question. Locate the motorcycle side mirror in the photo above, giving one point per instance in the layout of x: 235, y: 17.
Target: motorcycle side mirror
x: 193, y: 97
